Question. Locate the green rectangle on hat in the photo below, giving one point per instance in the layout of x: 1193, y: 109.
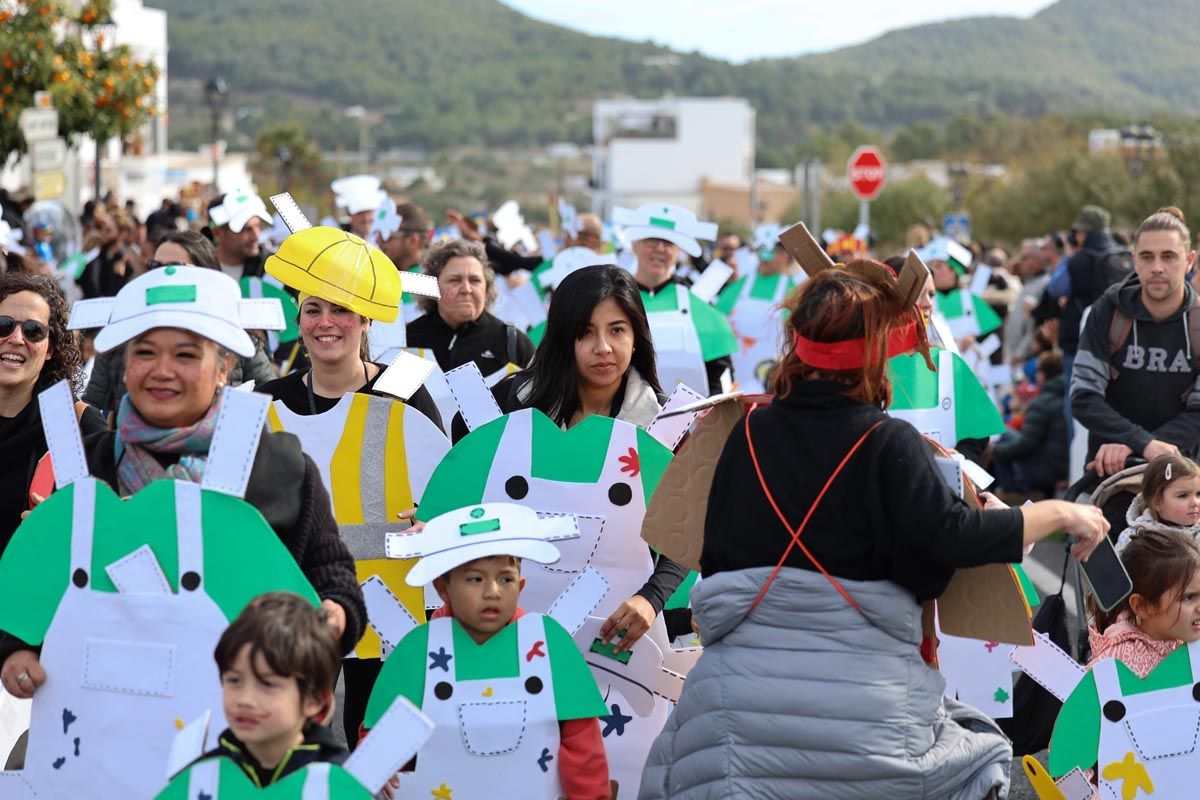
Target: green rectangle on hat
x: 170, y: 294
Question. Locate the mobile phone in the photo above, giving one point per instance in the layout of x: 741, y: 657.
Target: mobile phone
x: 1106, y: 575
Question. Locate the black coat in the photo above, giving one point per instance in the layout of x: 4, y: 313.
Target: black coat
x: 888, y: 516
x: 487, y: 341
x: 1044, y: 433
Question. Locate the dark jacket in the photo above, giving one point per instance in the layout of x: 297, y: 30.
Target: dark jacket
x: 888, y: 516
x: 106, y: 386
x: 24, y: 445
x: 100, y: 278
x: 487, y: 341
x: 318, y: 747
x: 1082, y: 269
x: 1146, y: 390
x: 1044, y: 434
x: 293, y: 390
x: 506, y: 262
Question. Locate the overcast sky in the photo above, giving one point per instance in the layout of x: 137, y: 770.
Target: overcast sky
x: 741, y: 29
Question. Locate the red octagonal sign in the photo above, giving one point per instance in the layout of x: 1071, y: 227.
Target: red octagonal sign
x: 867, y: 172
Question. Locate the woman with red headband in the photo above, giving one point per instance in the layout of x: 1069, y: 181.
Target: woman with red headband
x: 812, y: 683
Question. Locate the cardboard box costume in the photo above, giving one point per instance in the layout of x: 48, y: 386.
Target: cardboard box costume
x: 947, y: 405
x: 496, y: 705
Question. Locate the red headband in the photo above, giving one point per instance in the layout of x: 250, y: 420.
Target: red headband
x: 849, y: 354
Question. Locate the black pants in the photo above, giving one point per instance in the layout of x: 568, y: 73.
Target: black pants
x: 358, y: 677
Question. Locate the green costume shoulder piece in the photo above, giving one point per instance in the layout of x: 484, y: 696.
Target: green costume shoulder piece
x: 988, y: 319
x: 242, y: 555
x: 950, y: 305
x: 291, y: 311
x: 536, y: 277
x: 712, y: 329
x: 235, y: 785
x: 915, y: 387
x: 404, y: 673
x: 537, y: 333
x: 728, y: 297
x: 461, y: 476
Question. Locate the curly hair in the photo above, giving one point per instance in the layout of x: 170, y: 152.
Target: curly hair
x: 436, y: 260
x: 65, y: 359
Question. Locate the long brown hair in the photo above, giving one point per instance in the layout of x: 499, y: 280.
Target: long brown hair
x: 1160, y: 473
x: 837, y: 305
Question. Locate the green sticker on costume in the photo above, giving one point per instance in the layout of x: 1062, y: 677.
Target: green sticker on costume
x: 243, y: 557
x: 234, y: 784
x: 914, y: 386
x: 291, y: 311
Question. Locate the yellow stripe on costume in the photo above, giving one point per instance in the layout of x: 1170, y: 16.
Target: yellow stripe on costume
x: 345, y: 467
x: 273, y: 421
x: 392, y: 572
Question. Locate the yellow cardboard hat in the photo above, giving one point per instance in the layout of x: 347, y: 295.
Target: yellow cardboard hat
x: 339, y: 267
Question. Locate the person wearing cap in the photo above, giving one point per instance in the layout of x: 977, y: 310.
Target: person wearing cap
x: 178, y: 324
x: 361, y: 196
x: 457, y: 326
x: 484, y: 667
x: 693, y: 340
x: 106, y: 384
x: 812, y: 683
x: 236, y: 219
x: 36, y: 351
x: 752, y: 302
x: 401, y: 231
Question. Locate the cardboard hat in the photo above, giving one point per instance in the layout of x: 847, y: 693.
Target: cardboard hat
x: 358, y: 193
x: 943, y: 248
x: 570, y: 260
x: 665, y: 221
x: 238, y: 207
x: 205, y: 301
x: 568, y: 219
x: 386, y: 223
x: 489, y: 529
x: 10, y: 239
x: 339, y: 267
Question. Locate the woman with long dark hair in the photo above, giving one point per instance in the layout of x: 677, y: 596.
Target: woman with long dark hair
x: 812, y: 682
x: 597, y: 358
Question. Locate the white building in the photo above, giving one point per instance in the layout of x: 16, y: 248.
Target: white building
x: 663, y: 150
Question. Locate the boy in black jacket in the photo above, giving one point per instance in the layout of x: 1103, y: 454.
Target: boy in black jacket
x: 278, y: 662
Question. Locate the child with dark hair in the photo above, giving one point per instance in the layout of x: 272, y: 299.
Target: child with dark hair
x: 278, y: 663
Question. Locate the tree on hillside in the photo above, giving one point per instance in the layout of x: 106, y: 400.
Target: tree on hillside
x: 286, y: 159
x: 99, y: 89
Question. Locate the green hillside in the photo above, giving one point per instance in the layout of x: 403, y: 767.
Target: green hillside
x: 475, y: 71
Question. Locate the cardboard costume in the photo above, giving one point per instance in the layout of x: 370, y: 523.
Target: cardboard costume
x: 603, y: 471
x: 947, y: 405
x: 753, y: 304
x: 496, y: 705
x: 127, y: 599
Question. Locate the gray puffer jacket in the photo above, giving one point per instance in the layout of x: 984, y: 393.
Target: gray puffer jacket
x: 807, y: 698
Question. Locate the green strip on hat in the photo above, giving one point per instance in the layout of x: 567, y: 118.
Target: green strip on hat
x: 483, y: 526
x: 659, y: 222
x: 171, y: 294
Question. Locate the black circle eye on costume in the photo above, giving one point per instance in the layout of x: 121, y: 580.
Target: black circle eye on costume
x: 190, y: 581
x: 79, y: 578
x: 533, y: 685
x: 619, y: 494
x: 1114, y: 711
x: 516, y: 487
x: 443, y: 690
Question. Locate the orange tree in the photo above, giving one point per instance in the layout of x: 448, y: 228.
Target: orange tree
x: 99, y: 89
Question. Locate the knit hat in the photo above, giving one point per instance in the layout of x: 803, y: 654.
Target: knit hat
x: 1091, y: 219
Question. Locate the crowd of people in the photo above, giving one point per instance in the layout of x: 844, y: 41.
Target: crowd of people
x: 831, y: 528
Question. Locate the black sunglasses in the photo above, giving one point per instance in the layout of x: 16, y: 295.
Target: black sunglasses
x: 31, y: 329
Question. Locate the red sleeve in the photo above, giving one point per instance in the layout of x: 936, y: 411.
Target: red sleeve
x: 582, y: 763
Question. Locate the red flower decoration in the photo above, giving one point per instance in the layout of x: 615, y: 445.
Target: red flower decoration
x: 631, y: 463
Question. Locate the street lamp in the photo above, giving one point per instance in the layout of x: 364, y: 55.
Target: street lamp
x: 216, y: 92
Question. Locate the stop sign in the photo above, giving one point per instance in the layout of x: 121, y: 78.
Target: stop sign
x: 867, y: 172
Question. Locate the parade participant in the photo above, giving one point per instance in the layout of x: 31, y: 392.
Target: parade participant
x: 482, y: 667
x: 361, y: 196
x: 236, y: 219
x: 969, y: 317
x: 116, y: 262
x: 1134, y: 385
x: 278, y: 662
x: 1035, y: 458
x: 106, y: 384
x: 1169, y: 500
x: 846, y: 600
x: 693, y: 340
x: 344, y: 285
x: 752, y: 303
x: 457, y: 326
x: 404, y: 246
x: 597, y: 358
x: 36, y: 351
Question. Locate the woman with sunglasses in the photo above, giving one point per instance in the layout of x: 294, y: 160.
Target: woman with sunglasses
x: 106, y: 385
x: 36, y: 351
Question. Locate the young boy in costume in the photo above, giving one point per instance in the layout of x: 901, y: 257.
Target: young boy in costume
x: 514, y: 702
x: 278, y: 663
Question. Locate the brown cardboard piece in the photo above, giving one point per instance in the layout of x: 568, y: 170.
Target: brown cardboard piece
x: 674, y: 521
